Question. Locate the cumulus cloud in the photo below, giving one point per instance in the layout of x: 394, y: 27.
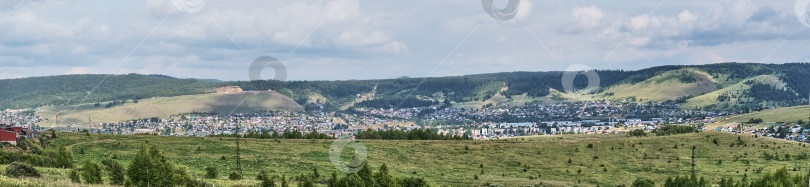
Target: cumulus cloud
x: 343, y: 39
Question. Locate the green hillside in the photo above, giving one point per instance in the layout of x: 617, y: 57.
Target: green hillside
x: 669, y: 85
x: 80, y: 89
x: 163, y: 107
x: 604, y: 160
x: 776, y: 85
x: 786, y: 114
x: 734, y: 93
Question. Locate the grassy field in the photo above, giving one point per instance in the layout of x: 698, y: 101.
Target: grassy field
x: 666, y: 86
x: 785, y: 114
x: 610, y: 160
x: 165, y: 106
x: 737, y: 88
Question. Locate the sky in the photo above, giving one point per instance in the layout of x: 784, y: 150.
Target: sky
x: 371, y: 39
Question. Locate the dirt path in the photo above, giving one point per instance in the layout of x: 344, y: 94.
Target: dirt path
x: 96, y: 141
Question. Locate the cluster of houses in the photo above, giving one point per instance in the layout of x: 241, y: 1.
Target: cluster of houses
x: 11, y: 134
x: 382, y: 119
x: 787, y: 131
x: 597, y: 117
x: 16, y: 124
x: 603, y: 110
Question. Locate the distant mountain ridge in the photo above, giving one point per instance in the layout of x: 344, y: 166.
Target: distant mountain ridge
x: 724, y: 86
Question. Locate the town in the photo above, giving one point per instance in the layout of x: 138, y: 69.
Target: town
x: 493, y: 122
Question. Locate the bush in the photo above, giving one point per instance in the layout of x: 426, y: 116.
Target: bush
x: 643, y: 182
x: 638, y: 132
x: 267, y: 180
x: 235, y: 176
x: 153, y: 169
x: 306, y: 181
x: 675, y: 129
x: 19, y: 169
x: 211, y: 173
x: 74, y: 176
x: 91, y: 172
x: 115, y: 170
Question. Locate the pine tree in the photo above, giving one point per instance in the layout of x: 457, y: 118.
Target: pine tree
x: 384, y: 178
x: 74, y: 175
x: 332, y: 182
x: 150, y: 168
x: 306, y: 182
x: 284, y: 181
x: 352, y: 180
x: 210, y: 172
x: 64, y: 158
x: 91, y: 172
x: 115, y: 171
x: 162, y: 169
x: 138, y: 171
x: 366, y: 174
x: 267, y: 180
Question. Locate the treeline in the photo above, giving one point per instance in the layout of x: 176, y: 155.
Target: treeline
x: 767, y: 92
x: 397, y: 102
x: 738, y: 70
x: 796, y: 76
x: 286, y: 134
x: 780, y: 177
x: 365, y: 177
x: 675, y: 129
x: 78, y: 89
x: 114, y: 103
x: 415, y: 134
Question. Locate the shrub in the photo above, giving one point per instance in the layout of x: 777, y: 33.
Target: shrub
x: 19, y: 169
x: 74, y: 176
x: 643, y: 182
x: 115, y: 170
x: 153, y: 169
x: 306, y: 182
x: 267, y: 180
x: 675, y: 129
x: 235, y: 176
x: 91, y: 172
x: 58, y: 158
x: 211, y: 173
x: 638, y: 132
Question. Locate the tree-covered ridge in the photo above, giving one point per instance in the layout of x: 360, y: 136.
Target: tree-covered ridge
x: 79, y: 89
x: 393, y: 93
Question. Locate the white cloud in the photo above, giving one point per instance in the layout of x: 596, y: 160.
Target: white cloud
x: 379, y: 39
x: 588, y: 17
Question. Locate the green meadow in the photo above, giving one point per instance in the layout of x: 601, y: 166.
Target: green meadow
x: 604, y: 160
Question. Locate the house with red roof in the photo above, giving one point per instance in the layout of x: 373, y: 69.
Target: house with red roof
x: 11, y: 134
x: 8, y: 136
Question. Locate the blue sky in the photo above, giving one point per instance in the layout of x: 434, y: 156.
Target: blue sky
x: 365, y: 39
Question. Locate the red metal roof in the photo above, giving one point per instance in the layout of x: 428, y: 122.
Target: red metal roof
x: 8, y: 136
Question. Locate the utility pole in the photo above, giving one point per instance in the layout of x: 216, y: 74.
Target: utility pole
x: 91, y: 123
x: 693, y: 160
x: 238, y: 159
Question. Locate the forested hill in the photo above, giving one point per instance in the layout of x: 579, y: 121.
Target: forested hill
x: 77, y: 89
x: 714, y: 86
